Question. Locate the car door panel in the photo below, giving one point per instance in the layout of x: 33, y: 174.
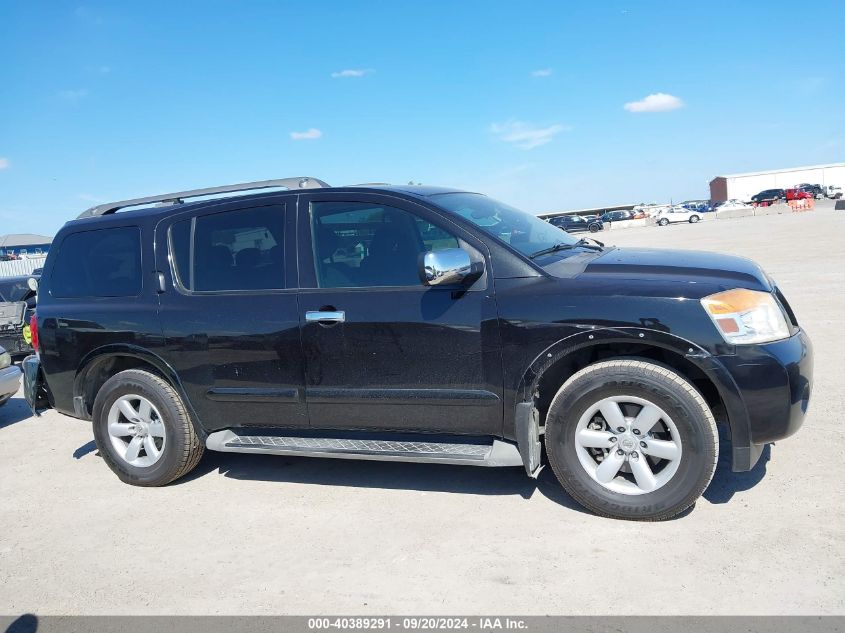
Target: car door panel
x: 237, y: 352
x: 404, y: 358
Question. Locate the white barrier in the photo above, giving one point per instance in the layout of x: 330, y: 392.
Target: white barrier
x: 18, y: 267
x: 628, y: 224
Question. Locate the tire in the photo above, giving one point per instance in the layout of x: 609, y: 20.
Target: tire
x: 171, y: 430
x: 685, y: 423
x: 693, y: 219
x: 594, y: 228
x: 662, y: 222
x: 4, y: 400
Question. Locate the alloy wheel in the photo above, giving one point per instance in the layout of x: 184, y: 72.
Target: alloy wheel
x: 628, y: 445
x: 136, y: 431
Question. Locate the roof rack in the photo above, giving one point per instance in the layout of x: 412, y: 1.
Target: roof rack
x: 302, y: 182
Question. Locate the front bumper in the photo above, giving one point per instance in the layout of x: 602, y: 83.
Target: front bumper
x: 773, y: 385
x: 10, y: 380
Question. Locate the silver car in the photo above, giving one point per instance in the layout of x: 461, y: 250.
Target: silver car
x: 10, y: 377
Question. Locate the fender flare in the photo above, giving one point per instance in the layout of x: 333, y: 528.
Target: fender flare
x: 744, y: 452
x: 114, y: 350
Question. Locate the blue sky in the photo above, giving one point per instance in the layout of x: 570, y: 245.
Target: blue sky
x: 525, y: 101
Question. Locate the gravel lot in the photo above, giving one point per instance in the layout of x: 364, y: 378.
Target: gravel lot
x: 274, y: 535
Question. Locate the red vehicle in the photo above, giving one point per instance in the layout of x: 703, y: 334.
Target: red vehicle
x: 797, y: 194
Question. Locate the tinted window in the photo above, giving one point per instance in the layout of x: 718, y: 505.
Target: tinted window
x: 103, y: 263
x: 233, y: 250
x: 366, y: 245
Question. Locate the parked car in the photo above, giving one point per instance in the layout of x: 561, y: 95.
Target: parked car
x: 17, y: 304
x: 769, y: 195
x: 576, y: 223
x: 616, y: 216
x: 677, y: 214
x: 700, y: 206
x: 731, y: 204
x: 798, y: 194
x: 10, y: 377
x: 833, y: 192
x: 320, y: 322
x: 816, y: 191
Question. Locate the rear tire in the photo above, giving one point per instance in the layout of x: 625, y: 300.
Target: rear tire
x: 156, y: 442
x: 652, y: 483
x: 662, y: 222
x: 693, y: 219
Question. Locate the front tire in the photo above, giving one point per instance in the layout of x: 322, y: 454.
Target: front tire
x: 694, y: 219
x: 662, y: 222
x: 143, y: 430
x: 630, y: 439
x: 594, y: 228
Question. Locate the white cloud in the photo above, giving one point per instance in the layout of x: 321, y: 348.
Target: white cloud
x: 541, y: 72
x: 4, y: 163
x: 73, y: 95
x: 526, y: 135
x: 307, y: 135
x: 657, y: 102
x: 352, y: 72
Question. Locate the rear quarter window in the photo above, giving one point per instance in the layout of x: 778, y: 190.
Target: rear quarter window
x: 99, y: 263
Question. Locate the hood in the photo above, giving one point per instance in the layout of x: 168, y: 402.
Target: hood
x: 679, y: 266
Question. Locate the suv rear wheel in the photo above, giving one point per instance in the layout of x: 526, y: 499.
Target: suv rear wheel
x: 143, y: 430
x: 631, y: 439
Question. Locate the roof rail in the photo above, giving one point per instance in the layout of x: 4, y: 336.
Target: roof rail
x: 178, y: 197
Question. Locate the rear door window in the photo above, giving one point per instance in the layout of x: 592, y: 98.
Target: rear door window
x: 100, y: 263
x: 234, y: 250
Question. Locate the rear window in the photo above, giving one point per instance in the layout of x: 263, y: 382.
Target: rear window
x: 101, y: 263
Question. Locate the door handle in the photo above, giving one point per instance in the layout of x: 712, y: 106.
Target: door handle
x: 325, y: 316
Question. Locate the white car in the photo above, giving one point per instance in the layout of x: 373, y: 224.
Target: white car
x: 729, y: 205
x: 677, y: 214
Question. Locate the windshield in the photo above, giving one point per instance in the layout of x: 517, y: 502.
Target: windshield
x: 525, y: 232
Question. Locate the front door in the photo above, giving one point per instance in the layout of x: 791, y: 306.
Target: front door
x: 229, y: 315
x: 383, y: 351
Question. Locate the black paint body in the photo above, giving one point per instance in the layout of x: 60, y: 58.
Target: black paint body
x: 413, y: 359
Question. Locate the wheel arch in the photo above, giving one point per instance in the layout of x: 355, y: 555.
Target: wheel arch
x: 102, y: 363
x: 549, y: 370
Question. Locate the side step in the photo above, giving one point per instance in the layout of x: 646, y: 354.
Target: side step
x: 498, y: 453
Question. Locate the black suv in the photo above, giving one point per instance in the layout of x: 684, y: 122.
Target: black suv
x: 410, y: 323
x: 769, y: 195
x: 576, y: 223
x: 617, y: 216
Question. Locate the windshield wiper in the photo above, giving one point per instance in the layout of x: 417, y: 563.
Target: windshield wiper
x: 561, y: 246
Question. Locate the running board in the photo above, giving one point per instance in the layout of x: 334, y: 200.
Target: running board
x: 496, y: 454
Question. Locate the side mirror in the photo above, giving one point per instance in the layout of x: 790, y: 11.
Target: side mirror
x: 32, y: 282
x: 447, y: 267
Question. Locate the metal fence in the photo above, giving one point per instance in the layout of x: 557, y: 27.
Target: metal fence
x: 21, y: 266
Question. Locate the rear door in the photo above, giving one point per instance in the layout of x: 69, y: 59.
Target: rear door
x: 383, y: 351
x: 229, y: 312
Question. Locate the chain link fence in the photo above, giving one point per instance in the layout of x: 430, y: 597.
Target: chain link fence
x: 18, y: 267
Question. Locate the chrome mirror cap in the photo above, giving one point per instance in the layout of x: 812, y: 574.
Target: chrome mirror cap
x: 446, y: 267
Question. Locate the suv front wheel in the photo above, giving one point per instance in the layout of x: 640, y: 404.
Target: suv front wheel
x: 143, y: 430
x: 631, y: 439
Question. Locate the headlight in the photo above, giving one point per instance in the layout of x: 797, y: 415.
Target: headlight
x: 746, y: 316
x: 5, y: 360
